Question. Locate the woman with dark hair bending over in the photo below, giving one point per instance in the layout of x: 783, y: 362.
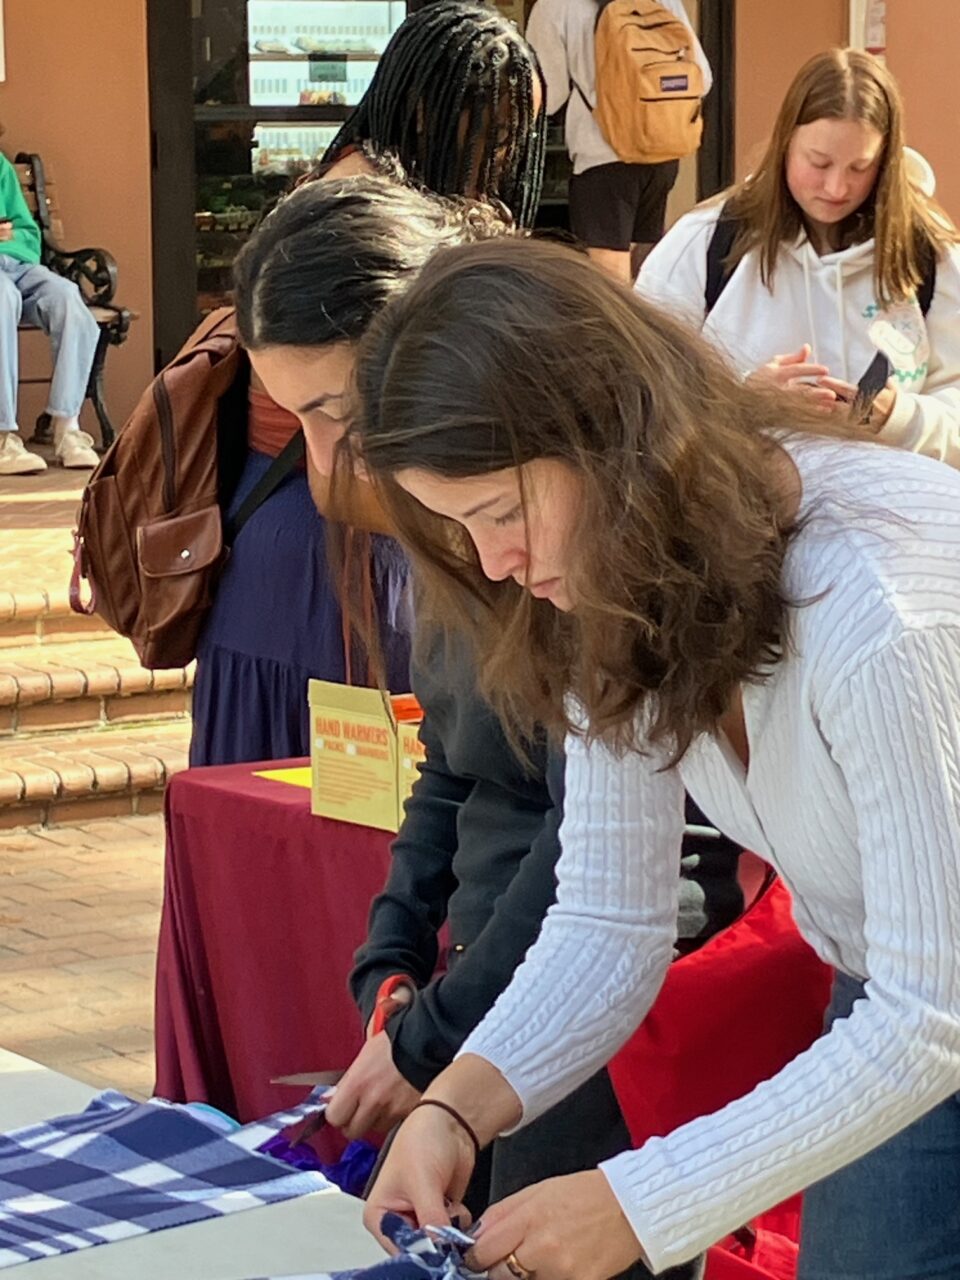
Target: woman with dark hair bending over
x: 702, y: 586
x: 456, y: 99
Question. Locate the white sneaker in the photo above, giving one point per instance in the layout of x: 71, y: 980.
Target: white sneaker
x: 14, y: 458
x: 75, y: 449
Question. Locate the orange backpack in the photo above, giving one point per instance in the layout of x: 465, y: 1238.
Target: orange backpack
x: 649, y: 85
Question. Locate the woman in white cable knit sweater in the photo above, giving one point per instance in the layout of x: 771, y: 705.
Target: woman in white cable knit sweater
x: 828, y: 243
x: 703, y: 584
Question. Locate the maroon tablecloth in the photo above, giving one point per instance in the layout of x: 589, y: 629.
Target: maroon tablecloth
x: 264, y: 905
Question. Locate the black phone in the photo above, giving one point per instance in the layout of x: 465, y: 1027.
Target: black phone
x: 870, y: 385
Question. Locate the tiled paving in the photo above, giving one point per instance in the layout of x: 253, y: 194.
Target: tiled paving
x: 79, y: 900
x: 37, y: 514
x: 79, y: 913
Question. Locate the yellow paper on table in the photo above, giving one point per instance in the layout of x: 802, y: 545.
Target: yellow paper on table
x: 363, y: 760
x: 301, y: 776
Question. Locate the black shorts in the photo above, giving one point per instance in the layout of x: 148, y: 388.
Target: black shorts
x: 615, y: 205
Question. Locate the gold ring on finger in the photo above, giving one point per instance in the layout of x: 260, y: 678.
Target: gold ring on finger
x: 516, y: 1267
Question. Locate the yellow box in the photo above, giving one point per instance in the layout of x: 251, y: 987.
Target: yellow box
x: 364, y: 751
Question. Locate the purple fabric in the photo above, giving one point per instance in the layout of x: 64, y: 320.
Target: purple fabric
x: 350, y: 1173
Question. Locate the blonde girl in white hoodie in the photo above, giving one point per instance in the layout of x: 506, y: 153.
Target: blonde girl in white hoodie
x: 833, y: 245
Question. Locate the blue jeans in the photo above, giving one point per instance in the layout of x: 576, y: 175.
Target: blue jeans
x: 38, y: 296
x: 895, y: 1213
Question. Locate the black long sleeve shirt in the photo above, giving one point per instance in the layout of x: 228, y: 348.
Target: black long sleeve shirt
x: 478, y: 848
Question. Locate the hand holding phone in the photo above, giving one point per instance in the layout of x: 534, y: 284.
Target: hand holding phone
x: 870, y: 403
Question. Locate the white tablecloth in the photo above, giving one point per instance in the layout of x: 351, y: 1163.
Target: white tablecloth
x: 322, y: 1232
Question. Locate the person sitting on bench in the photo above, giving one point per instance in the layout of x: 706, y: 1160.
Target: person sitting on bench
x: 33, y: 295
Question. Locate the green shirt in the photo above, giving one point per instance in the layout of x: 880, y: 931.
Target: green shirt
x: 25, y: 244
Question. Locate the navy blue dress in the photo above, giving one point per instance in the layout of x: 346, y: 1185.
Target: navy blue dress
x: 276, y: 623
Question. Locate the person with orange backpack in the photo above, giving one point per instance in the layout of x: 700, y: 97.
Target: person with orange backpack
x: 633, y: 76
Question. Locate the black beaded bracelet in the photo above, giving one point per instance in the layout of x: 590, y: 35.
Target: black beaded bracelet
x: 452, y: 1111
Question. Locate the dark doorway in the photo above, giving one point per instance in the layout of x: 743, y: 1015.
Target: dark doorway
x: 715, y: 161
x: 169, y: 43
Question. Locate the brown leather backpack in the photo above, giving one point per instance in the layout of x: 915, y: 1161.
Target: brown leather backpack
x: 150, y: 538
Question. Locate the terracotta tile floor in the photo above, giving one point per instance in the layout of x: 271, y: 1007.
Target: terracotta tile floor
x: 79, y: 913
x: 36, y: 516
x: 79, y: 904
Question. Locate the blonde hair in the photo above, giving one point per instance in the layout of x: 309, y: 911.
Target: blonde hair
x: 908, y: 226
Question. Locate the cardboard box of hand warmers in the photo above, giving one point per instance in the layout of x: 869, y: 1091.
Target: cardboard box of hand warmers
x: 364, y: 752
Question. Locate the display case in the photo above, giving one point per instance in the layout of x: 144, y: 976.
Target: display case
x: 273, y: 81
x: 262, y: 92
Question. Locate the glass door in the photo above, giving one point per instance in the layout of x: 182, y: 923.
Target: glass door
x: 244, y: 95
x: 273, y: 81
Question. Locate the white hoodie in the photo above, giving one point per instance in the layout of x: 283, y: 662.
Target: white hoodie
x: 829, y: 302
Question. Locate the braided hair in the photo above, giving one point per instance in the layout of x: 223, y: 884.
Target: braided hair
x: 453, y: 97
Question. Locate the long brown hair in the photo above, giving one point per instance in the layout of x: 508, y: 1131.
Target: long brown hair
x: 907, y: 225
x: 511, y: 351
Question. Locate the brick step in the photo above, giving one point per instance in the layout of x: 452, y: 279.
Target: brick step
x: 40, y: 617
x: 77, y: 684
x: 38, y: 514
x: 54, y: 779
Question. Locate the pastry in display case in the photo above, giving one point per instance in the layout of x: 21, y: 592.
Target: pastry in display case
x: 290, y: 149
x: 317, y: 52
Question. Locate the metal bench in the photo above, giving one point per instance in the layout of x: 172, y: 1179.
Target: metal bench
x: 93, y: 271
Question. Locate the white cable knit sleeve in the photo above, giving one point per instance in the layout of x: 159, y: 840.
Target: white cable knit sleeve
x: 605, y: 945
x: 893, y: 730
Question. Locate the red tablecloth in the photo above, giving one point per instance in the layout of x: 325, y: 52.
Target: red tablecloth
x: 264, y: 905
x: 728, y: 1016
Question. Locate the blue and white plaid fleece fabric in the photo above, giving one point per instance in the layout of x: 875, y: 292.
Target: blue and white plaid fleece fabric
x: 124, y: 1168
x: 436, y: 1254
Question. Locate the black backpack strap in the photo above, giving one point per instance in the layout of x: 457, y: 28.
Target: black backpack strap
x: 283, y: 464
x: 586, y: 101
x: 718, y: 251
x: 928, y: 285
x: 233, y: 413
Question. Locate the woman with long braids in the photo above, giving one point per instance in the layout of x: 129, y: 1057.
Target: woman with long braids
x: 704, y: 584
x: 457, y: 101
x: 457, y: 98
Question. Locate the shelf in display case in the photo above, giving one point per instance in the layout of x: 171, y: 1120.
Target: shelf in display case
x: 303, y: 52
x: 241, y: 113
x: 349, y: 56
x: 319, y: 82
